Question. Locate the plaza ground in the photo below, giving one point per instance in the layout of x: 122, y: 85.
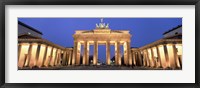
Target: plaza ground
x: 101, y: 67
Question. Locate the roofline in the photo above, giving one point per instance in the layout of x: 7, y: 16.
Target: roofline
x: 172, y: 29
x: 33, y: 29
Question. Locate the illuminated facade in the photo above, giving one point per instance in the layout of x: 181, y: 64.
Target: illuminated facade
x: 34, y: 51
x: 101, y: 35
x: 164, y: 53
x: 42, y: 53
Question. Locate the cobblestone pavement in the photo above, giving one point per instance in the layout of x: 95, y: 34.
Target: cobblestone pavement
x: 96, y: 68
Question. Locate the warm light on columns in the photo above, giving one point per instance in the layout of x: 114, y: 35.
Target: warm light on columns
x: 70, y: 57
x: 74, y: 53
x: 53, y: 57
x: 162, y: 56
x: 24, y: 51
x: 116, y: 54
x: 125, y: 52
x: 56, y: 57
x: 150, y: 57
x: 48, y: 56
x: 155, y: 55
x: 41, y: 55
x: 78, y: 53
x: 88, y: 53
x: 95, y: 57
x: 108, y: 52
x: 33, y: 55
x: 179, y: 53
x: 147, y: 57
x: 171, y: 56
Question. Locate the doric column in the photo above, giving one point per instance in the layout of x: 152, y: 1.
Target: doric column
x: 74, y: 52
x: 54, y: 58
x: 23, y: 54
x: 32, y: 53
x: 134, y: 58
x: 67, y: 57
x: 117, y: 53
x: 42, y: 55
x: 144, y: 58
x: 166, y: 55
x: 148, y: 61
x: 95, y: 57
x: 140, y: 58
x: 108, y: 53
x: 129, y: 55
x: 153, y: 58
x: 116, y: 63
x: 78, y: 53
x: 19, y: 50
x: 125, y: 53
x: 175, y: 55
x: 158, y: 56
x: 70, y: 57
x: 48, y: 56
x: 64, y: 60
x: 57, y: 57
x: 86, y: 53
x: 27, y: 60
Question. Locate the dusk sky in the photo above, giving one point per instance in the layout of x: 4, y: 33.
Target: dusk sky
x: 143, y: 30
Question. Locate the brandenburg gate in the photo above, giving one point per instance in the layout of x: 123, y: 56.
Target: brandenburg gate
x: 101, y: 35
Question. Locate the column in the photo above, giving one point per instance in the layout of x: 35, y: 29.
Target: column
x: 54, y: 56
x: 108, y: 53
x: 129, y: 54
x: 125, y: 53
x: 158, y: 56
x: 139, y: 58
x: 48, y: 56
x: 42, y: 55
x: 148, y: 61
x: 95, y: 57
x: 134, y: 59
x: 57, y: 57
x: 74, y: 52
x: 64, y: 59
x: 153, y: 58
x: 19, y: 50
x: 78, y: 53
x: 175, y: 55
x: 144, y: 58
x: 166, y: 55
x: 179, y: 53
x: 32, y: 54
x: 119, y: 53
x: 23, y: 53
x: 70, y: 57
x: 116, y: 56
x: 86, y: 53
x: 28, y: 56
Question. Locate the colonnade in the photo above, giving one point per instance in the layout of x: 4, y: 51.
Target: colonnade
x: 162, y: 55
x: 86, y: 44
x: 42, y: 55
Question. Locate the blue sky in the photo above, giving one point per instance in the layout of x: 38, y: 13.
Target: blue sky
x: 143, y: 30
